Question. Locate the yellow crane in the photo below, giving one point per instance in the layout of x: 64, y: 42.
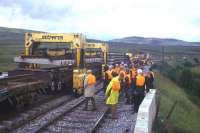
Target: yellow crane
x: 76, y: 42
x: 34, y: 55
x: 103, y: 47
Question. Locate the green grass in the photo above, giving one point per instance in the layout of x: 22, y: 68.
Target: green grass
x: 7, y: 53
x: 186, y: 115
x: 196, y: 69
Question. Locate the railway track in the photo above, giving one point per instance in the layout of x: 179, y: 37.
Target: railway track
x: 69, y: 117
x: 125, y: 122
x: 21, y: 118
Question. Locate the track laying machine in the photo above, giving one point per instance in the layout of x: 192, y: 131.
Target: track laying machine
x: 44, y: 50
x: 50, y: 63
x: 54, y: 62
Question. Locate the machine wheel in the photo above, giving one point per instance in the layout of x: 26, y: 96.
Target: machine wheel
x: 53, y: 86
x: 59, y: 86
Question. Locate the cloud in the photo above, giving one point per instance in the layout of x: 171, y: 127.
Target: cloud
x: 38, y: 9
x: 106, y: 19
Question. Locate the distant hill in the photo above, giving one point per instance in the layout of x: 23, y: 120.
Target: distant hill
x: 16, y: 36
x: 12, y: 35
x: 154, y: 41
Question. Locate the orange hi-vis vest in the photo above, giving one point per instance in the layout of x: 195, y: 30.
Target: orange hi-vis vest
x: 91, y: 79
x: 140, y: 80
x: 109, y: 73
x: 134, y: 73
x: 116, y: 85
x: 129, y: 78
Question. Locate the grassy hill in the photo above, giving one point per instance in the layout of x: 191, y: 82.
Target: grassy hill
x: 196, y: 69
x: 155, y: 41
x: 12, y: 36
x: 15, y: 39
x: 7, y: 52
x: 185, y: 118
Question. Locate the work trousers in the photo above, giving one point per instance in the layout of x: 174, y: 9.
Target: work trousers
x: 113, y: 110
x: 87, y: 99
x: 139, y: 96
x: 132, y: 91
x: 128, y: 94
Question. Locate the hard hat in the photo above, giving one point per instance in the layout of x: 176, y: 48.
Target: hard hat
x: 139, y: 71
x: 89, y: 71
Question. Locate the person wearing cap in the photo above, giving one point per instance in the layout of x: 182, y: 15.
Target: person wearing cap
x: 89, y: 89
x: 149, y: 80
x: 140, y: 90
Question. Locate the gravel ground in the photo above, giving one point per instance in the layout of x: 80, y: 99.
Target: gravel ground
x: 125, y: 122
x: 23, y: 117
x: 79, y: 121
x: 52, y: 115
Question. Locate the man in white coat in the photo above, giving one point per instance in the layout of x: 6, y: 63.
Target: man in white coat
x: 89, y: 89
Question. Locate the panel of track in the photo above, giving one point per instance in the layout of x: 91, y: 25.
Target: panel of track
x: 22, y: 118
x: 69, y: 117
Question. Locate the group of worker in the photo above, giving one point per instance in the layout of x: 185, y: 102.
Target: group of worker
x: 129, y: 82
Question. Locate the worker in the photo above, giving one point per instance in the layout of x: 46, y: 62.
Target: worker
x: 106, y: 67
x: 113, y: 70
x: 152, y: 73
x: 148, y: 82
x: 133, y: 74
x: 108, y: 77
x: 122, y: 74
x: 89, y: 89
x: 127, y: 87
x: 140, y: 89
x: 112, y: 94
x: 117, y: 68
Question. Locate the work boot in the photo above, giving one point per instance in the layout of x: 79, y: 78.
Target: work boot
x: 114, y: 117
x: 114, y: 112
x: 94, y: 109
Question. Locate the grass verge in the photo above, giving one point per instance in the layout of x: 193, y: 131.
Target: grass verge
x: 185, y: 118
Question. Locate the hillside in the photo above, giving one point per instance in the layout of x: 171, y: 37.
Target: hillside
x: 185, y: 117
x: 154, y: 41
x: 16, y: 36
x: 12, y: 35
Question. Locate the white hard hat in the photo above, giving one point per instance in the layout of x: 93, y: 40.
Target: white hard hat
x: 89, y: 71
x: 139, y: 71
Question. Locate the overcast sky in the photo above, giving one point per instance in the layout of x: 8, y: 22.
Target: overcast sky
x: 106, y: 19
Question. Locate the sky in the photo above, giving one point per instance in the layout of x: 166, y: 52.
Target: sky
x: 106, y: 19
